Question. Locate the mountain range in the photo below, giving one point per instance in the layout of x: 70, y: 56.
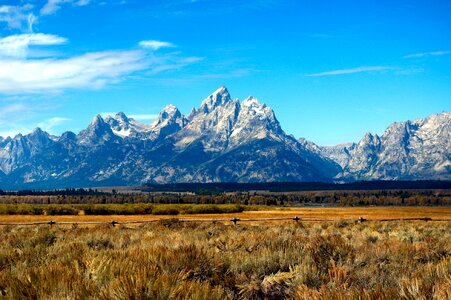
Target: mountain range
x: 223, y: 140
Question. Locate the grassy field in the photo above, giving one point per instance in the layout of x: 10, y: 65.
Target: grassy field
x: 174, y: 260
x: 243, y: 212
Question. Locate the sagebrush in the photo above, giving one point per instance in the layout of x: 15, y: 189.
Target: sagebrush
x: 175, y: 260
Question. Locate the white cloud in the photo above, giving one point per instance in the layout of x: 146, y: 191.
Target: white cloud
x: 155, y: 45
x: 18, y: 17
x: 52, y: 6
x: 49, y: 124
x: 24, y: 69
x: 433, y: 53
x: 350, y: 71
x: 32, y: 19
x: 91, y: 70
x: 18, y: 45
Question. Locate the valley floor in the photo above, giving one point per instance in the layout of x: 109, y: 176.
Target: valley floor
x: 330, y: 213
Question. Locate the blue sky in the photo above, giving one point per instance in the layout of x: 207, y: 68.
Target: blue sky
x: 331, y: 70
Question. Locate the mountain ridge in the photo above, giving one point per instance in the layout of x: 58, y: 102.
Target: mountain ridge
x: 223, y: 140
x: 412, y: 149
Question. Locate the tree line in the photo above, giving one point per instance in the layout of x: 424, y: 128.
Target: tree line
x: 332, y: 198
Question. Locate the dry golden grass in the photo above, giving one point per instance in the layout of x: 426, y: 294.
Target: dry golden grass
x: 174, y: 260
x: 335, y: 213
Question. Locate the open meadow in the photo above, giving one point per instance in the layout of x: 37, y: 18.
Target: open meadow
x: 170, y: 259
x: 124, y: 212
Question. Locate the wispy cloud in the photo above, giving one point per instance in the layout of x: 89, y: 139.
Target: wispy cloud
x: 93, y: 70
x: 52, y: 6
x: 425, y: 54
x: 18, y: 17
x: 171, y: 62
x: 155, y: 45
x: 18, y: 45
x: 23, y: 17
x: 49, y: 124
x: 364, y: 69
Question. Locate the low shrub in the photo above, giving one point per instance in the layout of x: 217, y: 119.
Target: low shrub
x: 213, y: 209
x: 165, y: 210
x: 60, y: 210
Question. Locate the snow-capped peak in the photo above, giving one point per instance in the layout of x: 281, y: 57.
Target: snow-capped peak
x: 123, y: 126
x: 255, y: 108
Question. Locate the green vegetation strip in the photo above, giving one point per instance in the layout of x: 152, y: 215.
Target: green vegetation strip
x: 122, y: 209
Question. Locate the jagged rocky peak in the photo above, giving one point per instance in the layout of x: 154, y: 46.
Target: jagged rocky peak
x: 217, y: 113
x: 397, y: 129
x: 169, y: 114
x: 98, y: 125
x: 217, y: 98
x: 256, y: 113
x: 260, y: 109
x: 37, y: 132
x: 369, y: 139
x: 120, y: 119
x: 169, y: 120
x: 256, y: 121
x: 97, y: 132
x: 120, y: 116
x: 38, y: 136
x: 97, y: 120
